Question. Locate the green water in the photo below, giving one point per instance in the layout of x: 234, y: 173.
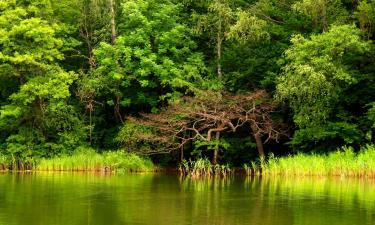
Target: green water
x: 79, y: 199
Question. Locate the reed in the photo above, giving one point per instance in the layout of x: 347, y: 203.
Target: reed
x: 343, y: 162
x: 89, y: 160
x: 203, y: 168
x: 254, y: 168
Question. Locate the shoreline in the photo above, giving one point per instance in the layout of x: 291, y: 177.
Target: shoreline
x: 237, y: 172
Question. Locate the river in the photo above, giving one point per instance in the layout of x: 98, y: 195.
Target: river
x: 153, y: 199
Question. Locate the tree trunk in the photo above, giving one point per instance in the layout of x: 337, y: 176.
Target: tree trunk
x: 86, y: 34
x: 216, y: 151
x: 259, y: 143
x: 113, y: 22
x: 182, y: 153
x: 117, y: 109
x: 260, y: 148
x: 209, y: 137
x: 90, y: 115
x: 324, y: 18
x: 219, y: 51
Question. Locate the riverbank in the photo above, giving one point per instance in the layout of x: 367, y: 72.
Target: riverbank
x: 84, y: 160
x: 343, y: 162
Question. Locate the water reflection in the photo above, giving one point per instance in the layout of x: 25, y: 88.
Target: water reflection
x: 69, y: 199
x: 318, y: 200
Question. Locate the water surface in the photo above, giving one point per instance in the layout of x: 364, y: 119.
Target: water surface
x: 97, y: 199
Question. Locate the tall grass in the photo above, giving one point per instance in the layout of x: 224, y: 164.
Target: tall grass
x: 3, y: 162
x: 89, y: 160
x: 344, y: 162
x: 203, y: 168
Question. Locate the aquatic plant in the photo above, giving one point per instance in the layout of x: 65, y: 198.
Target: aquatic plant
x: 203, y: 168
x: 255, y: 167
x: 247, y: 169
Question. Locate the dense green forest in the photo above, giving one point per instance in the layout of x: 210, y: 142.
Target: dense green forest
x: 227, y: 80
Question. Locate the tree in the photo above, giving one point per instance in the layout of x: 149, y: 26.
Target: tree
x: 322, y: 12
x: 35, y: 115
x: 222, y: 23
x: 200, y: 118
x: 94, y: 25
x: 366, y: 16
x: 251, y: 62
x: 153, y: 58
x: 315, y: 77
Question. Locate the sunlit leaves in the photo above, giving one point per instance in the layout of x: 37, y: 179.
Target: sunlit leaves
x: 366, y: 16
x: 323, y: 13
x: 30, y: 50
x: 52, y: 86
x: 317, y: 72
x: 153, y: 51
x: 248, y: 28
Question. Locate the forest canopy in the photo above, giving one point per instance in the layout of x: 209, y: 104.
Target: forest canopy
x: 230, y: 80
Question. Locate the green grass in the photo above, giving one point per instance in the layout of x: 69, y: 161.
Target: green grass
x: 89, y: 160
x: 344, y: 162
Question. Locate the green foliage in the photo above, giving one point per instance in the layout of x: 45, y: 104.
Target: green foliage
x: 318, y: 71
x: 371, y: 114
x: 323, y: 13
x: 248, y: 28
x: 254, y: 63
x: 4, y: 162
x: 366, y: 16
x: 201, y: 145
x: 36, y: 115
x: 153, y: 58
x: 323, y: 138
x: 316, y: 77
x: 66, y: 82
x: 218, y: 18
x: 127, y: 137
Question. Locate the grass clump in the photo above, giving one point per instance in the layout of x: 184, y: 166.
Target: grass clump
x: 89, y: 160
x: 344, y: 162
x: 255, y: 168
x: 203, y: 168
